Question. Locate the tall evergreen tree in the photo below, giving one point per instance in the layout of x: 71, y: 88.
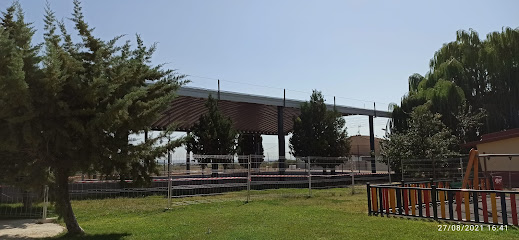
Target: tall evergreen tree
x: 319, y: 132
x: 250, y: 144
x: 19, y: 71
x: 82, y: 107
x: 213, y: 134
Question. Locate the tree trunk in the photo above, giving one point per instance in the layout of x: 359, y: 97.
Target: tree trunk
x: 63, y: 203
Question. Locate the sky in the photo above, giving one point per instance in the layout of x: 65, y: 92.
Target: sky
x: 361, y: 52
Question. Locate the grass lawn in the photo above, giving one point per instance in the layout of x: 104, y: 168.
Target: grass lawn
x: 329, y: 214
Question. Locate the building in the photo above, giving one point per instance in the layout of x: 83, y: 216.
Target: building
x: 361, y: 153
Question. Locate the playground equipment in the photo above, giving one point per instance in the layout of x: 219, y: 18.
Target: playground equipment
x: 474, y: 164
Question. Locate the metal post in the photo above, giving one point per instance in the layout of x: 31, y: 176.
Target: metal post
x: 389, y: 169
x: 309, y: 177
x: 352, y: 183
x: 369, y: 199
x: 45, y: 202
x: 169, y: 180
x: 281, y: 142
x: 434, y: 168
x: 510, y: 180
x: 434, y: 205
x: 402, y: 168
x: 372, y: 145
x: 248, y: 179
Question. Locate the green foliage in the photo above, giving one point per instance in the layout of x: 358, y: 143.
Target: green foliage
x: 250, y: 144
x: 319, y: 132
x: 426, y: 138
x: 482, y: 73
x: 469, y: 122
x: 213, y: 134
x: 75, y: 107
x: 19, y: 72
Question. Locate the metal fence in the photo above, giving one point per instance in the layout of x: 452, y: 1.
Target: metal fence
x: 244, y: 176
x: 424, y: 169
x: 439, y: 202
x: 16, y: 202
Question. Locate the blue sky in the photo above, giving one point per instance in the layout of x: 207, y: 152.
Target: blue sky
x: 359, y: 51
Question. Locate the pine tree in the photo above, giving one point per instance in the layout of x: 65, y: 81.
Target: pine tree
x: 213, y: 134
x: 18, y: 74
x: 250, y: 144
x: 319, y: 132
x: 82, y: 107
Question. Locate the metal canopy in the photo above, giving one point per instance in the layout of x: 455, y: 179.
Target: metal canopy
x: 249, y: 113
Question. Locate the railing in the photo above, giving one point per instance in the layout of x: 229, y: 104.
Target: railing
x: 426, y: 200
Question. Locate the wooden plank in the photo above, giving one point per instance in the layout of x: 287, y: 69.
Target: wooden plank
x: 392, y: 196
x: 514, y: 209
x: 485, y: 209
x: 413, y: 202
x: 494, y: 208
x: 427, y: 193
x: 458, y: 205
x: 374, y: 199
x: 442, y: 203
x: 472, y: 155
x: 406, y: 207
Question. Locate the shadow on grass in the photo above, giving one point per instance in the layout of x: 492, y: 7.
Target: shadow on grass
x: 108, y: 236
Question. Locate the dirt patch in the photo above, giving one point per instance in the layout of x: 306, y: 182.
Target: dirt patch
x: 27, y: 229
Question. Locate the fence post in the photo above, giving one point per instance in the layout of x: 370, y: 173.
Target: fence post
x: 503, y: 209
x: 369, y: 199
x: 352, y: 184
x: 169, y: 180
x: 433, y: 197
x: 476, y: 207
x: 389, y: 169
x: 309, y: 177
x: 402, y: 168
x: 381, y: 202
x: 45, y: 202
x: 248, y: 178
x: 420, y: 201
x: 399, y: 200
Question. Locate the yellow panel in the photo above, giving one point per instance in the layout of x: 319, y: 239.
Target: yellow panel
x: 494, y: 207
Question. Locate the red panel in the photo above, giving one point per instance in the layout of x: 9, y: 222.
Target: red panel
x: 426, y: 201
x: 485, y: 209
x: 514, y: 209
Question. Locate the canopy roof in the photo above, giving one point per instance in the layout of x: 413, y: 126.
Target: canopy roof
x: 249, y: 113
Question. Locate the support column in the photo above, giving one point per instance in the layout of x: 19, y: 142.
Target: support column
x: 281, y: 141
x: 372, y: 144
x: 188, y: 157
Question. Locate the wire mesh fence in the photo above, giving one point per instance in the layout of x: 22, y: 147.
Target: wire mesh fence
x: 425, y: 169
x: 244, y: 175
x: 15, y: 202
x: 186, y: 181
